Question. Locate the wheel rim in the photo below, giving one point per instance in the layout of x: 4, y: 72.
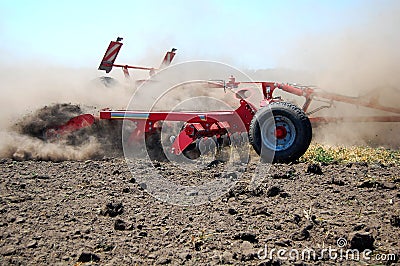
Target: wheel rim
x: 278, y: 133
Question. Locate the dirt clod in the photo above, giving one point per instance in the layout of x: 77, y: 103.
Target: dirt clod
x: 368, y: 184
x: 296, y: 218
x: 246, y: 236
x: 301, y: 235
x: 337, y: 182
x: 232, y: 211
x: 273, y: 191
x: 116, y: 172
x: 395, y: 220
x: 260, y: 210
x: 163, y: 260
x: 119, y: 225
x: 112, y: 209
x: 143, y: 234
x: 88, y: 257
x: 361, y: 241
x: 359, y: 227
x: 314, y: 169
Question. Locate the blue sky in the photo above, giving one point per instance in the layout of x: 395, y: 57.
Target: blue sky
x: 247, y: 34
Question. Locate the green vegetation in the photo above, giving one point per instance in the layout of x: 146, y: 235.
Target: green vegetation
x: 328, y: 154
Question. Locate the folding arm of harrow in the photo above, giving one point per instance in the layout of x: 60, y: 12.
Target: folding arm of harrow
x: 108, y: 61
x: 309, y: 94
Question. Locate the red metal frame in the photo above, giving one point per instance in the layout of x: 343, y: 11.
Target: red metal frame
x: 309, y: 94
x: 72, y: 125
x: 198, y: 124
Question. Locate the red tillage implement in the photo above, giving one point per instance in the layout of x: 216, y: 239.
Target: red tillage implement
x: 275, y: 127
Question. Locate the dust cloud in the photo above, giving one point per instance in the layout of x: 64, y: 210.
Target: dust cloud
x: 358, y: 61
x: 30, y: 104
x: 21, y: 147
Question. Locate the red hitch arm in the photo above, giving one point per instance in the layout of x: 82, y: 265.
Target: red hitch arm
x: 72, y: 125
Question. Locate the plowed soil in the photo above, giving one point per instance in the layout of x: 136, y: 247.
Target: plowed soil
x: 94, y: 213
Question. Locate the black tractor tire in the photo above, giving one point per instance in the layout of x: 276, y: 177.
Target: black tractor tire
x: 291, y: 143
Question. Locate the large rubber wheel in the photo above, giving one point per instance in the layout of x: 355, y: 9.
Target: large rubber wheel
x: 282, y: 136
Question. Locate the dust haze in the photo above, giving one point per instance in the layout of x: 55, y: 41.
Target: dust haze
x: 360, y: 61
x: 31, y: 101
